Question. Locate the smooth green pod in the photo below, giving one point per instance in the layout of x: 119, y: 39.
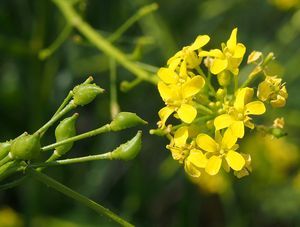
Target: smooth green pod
x: 65, y: 130
x: 26, y: 147
x: 85, y: 93
x: 4, y: 149
x: 125, y: 120
x: 128, y: 150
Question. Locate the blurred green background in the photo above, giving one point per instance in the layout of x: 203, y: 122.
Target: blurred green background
x: 150, y: 190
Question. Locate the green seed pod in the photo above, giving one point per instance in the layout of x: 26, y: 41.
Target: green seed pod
x: 26, y: 147
x: 85, y: 93
x: 128, y: 150
x: 4, y: 149
x: 65, y: 130
x: 126, y: 120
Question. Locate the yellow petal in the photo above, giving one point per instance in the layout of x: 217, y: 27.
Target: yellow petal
x: 187, y: 113
x: 191, y: 170
x: 193, y: 86
x: 255, y: 108
x: 278, y: 102
x: 264, y: 91
x: 182, y: 70
x: 231, y: 43
x: 200, y: 41
x: 235, y: 160
x: 254, y: 56
x: 213, y: 165
x: 237, y: 128
x: 243, y: 96
x: 229, y: 139
x: 197, y: 158
x: 218, y: 65
x: 165, y: 91
x: 206, y: 143
x: 167, y: 75
x: 164, y: 114
x: 173, y: 63
x: 239, y: 51
x: 181, y: 136
x: 222, y: 121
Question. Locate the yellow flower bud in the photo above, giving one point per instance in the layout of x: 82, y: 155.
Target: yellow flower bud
x: 224, y: 78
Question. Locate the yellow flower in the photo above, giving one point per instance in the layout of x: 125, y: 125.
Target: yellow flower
x: 178, y: 146
x: 271, y: 89
x: 188, y: 57
x: 223, y: 148
x: 238, y: 115
x: 229, y: 58
x: 178, y: 96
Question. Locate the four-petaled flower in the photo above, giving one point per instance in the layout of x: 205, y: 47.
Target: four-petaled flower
x: 178, y: 95
x: 238, y: 115
x: 229, y: 58
x: 218, y: 150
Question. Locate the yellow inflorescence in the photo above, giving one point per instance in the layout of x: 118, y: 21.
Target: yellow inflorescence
x: 213, y: 111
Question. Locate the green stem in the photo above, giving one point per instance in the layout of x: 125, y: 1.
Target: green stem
x: 12, y: 184
x: 105, y: 156
x: 5, y: 160
x: 103, y: 129
x: 65, y: 110
x: 64, y: 103
x: 207, y: 80
x: 236, y: 83
x: 204, y: 109
x: 136, y: 17
x: 76, y: 196
x: 114, y: 106
x: 45, y: 53
x: 10, y: 168
x: 100, y: 42
x: 128, y: 85
x: 147, y: 67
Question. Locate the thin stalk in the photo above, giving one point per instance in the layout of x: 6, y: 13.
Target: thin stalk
x: 105, y: 156
x: 103, y: 129
x: 134, y: 18
x: 204, y: 109
x: 236, y: 83
x: 65, y: 110
x: 100, y: 42
x: 13, y: 183
x: 76, y: 196
x: 45, y: 53
x: 114, y: 106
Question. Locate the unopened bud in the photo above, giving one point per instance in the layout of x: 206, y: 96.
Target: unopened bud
x: 128, y: 150
x: 26, y: 147
x: 85, y: 93
x: 65, y: 130
x: 224, y: 78
x: 126, y: 120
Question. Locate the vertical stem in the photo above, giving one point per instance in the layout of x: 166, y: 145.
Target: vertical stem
x: 76, y: 196
x: 114, y: 106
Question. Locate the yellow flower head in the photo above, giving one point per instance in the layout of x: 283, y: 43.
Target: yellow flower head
x: 222, y: 148
x: 178, y: 96
x: 188, y: 58
x: 238, y: 115
x: 271, y: 89
x: 229, y: 58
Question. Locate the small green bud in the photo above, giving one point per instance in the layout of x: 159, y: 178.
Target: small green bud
x: 126, y: 120
x: 4, y: 149
x: 65, y: 130
x: 224, y: 78
x: 26, y: 147
x: 278, y: 132
x: 128, y: 150
x: 85, y: 93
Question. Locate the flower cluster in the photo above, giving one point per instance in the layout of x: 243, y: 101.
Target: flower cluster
x: 201, y: 89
